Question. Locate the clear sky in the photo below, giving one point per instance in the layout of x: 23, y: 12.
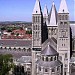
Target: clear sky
x: 21, y: 10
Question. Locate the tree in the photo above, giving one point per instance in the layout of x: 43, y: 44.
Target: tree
x: 6, y: 63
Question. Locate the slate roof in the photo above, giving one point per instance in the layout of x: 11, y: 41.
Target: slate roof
x: 37, y: 8
x: 63, y: 7
x: 15, y: 43
x: 48, y: 64
x: 53, y: 16
x: 45, y: 13
x: 16, y: 54
x: 49, y: 50
x: 24, y: 59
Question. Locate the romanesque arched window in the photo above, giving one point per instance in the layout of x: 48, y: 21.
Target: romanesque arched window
x: 51, y: 59
x: 46, y: 58
x: 46, y: 70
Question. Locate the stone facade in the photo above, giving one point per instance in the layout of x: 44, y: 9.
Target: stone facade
x: 58, y: 36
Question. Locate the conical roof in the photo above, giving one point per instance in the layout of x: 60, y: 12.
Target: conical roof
x: 37, y: 8
x: 63, y: 7
x: 53, y: 15
x: 49, y: 50
x: 45, y: 13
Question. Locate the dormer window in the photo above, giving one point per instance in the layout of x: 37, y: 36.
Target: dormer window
x: 36, y: 11
x: 63, y: 10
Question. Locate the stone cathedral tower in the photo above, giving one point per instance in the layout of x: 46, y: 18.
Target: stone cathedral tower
x: 36, y: 34
x: 50, y: 29
x: 63, y: 42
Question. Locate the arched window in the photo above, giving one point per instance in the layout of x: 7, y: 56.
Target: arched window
x: 66, y: 17
x: 46, y: 58
x: 43, y: 58
x: 55, y: 58
x: 39, y: 68
x: 53, y: 70
x: 51, y: 59
x: 62, y: 17
x: 46, y: 70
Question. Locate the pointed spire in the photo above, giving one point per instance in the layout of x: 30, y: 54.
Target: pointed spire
x: 53, y: 15
x: 63, y: 7
x: 37, y: 8
x: 45, y: 13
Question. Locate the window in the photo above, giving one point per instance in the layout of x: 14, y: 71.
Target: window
x: 65, y: 23
x: 62, y: 44
x: 51, y: 59
x: 43, y: 58
x: 55, y: 58
x: 53, y: 70
x: 62, y: 17
x: 66, y: 17
x: 33, y: 19
x: 65, y: 55
x: 65, y: 73
x: 59, y: 17
x: 58, y: 68
x: 36, y: 18
x: 46, y: 58
x: 60, y: 57
x: 39, y: 68
x: 61, y: 23
x: 46, y: 70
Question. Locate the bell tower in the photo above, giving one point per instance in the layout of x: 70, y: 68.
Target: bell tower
x: 63, y: 41
x: 37, y: 21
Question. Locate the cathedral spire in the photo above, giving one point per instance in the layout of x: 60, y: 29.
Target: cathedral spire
x: 63, y: 7
x: 37, y: 8
x: 53, y: 15
x: 45, y: 13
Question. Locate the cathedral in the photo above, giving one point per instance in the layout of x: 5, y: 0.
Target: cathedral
x: 51, y: 37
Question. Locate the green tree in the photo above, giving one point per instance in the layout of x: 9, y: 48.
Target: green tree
x: 6, y: 63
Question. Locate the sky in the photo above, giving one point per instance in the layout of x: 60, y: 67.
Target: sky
x: 21, y: 10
